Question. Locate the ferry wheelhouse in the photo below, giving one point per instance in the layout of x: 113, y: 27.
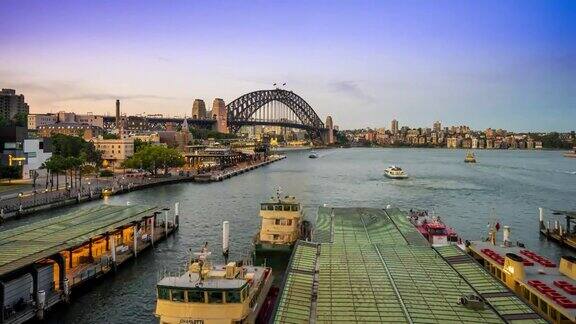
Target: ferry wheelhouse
x: 231, y: 293
x: 394, y: 172
x: 550, y: 288
x: 281, y: 226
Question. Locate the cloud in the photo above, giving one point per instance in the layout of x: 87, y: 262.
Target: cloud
x: 350, y: 89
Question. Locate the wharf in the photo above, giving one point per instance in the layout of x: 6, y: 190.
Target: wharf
x: 565, y: 235
x: 372, y: 265
x: 42, y: 262
x: 16, y: 207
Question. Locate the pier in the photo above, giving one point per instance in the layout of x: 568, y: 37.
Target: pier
x: 563, y: 235
x: 372, y: 265
x: 43, y: 262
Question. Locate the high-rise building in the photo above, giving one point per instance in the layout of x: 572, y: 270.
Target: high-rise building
x: 394, y: 126
x: 437, y: 126
x: 12, y: 104
x: 198, y: 109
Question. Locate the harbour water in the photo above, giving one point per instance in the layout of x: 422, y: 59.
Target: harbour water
x: 506, y: 185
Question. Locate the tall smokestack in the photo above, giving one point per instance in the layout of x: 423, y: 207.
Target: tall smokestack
x: 117, y: 113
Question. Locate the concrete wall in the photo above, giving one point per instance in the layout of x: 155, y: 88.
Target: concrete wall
x: 35, y: 156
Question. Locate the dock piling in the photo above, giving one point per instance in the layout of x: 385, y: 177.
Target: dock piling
x: 176, y: 214
x: 541, y: 210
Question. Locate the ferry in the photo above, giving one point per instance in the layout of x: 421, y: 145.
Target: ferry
x: 231, y: 293
x: 470, y: 158
x: 282, y: 224
x: 433, y: 229
x: 394, y: 172
x: 571, y: 154
x: 313, y: 155
x: 550, y: 288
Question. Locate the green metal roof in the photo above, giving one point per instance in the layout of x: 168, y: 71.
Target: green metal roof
x: 26, y: 244
x: 372, y: 265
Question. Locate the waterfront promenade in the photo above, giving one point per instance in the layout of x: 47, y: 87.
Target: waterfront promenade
x: 30, y: 202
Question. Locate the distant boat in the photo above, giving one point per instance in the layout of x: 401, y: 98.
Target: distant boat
x: 394, y: 172
x: 313, y: 155
x: 571, y: 154
x: 470, y: 158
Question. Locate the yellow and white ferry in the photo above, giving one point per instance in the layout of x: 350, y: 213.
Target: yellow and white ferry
x: 550, y: 288
x: 470, y: 158
x: 281, y: 226
x: 231, y: 293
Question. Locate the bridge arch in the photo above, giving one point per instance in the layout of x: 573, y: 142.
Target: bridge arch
x: 244, y: 107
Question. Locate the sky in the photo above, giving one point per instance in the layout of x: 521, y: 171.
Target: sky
x: 499, y: 64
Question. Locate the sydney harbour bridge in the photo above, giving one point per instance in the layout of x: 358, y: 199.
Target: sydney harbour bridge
x: 275, y: 107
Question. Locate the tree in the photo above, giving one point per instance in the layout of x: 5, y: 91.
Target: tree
x: 20, y: 119
x: 10, y: 172
x: 110, y: 136
x: 67, y: 146
x: 151, y: 158
x: 139, y: 144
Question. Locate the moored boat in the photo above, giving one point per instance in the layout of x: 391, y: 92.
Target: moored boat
x: 394, y: 172
x: 433, y: 229
x: 282, y: 224
x: 231, y: 293
x: 547, y: 286
x: 313, y: 155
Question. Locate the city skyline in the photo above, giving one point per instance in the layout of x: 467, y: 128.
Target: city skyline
x: 496, y: 64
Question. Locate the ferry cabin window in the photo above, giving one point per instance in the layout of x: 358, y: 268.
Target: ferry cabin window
x: 244, y: 293
x: 277, y: 222
x: 289, y: 222
x: 294, y: 207
x: 233, y: 296
x: 195, y: 296
x: 178, y: 295
x: 270, y: 207
x: 215, y: 297
x: 163, y: 293
x: 278, y: 207
x: 286, y: 207
x: 263, y: 207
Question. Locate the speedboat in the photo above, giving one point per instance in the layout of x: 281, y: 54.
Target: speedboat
x: 571, y: 154
x: 470, y: 158
x: 313, y: 155
x: 394, y: 172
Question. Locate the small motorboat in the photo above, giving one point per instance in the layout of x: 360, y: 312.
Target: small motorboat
x: 313, y: 155
x: 470, y: 158
x: 394, y: 172
x: 571, y: 154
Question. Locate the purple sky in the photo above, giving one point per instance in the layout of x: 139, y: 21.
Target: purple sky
x: 503, y: 64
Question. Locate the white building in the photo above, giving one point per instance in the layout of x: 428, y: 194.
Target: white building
x: 36, y: 152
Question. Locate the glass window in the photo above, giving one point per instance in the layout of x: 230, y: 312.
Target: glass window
x: 286, y: 207
x: 294, y: 207
x: 233, y: 296
x: 215, y: 297
x: 244, y: 293
x: 289, y: 222
x: 278, y: 207
x: 178, y: 295
x: 544, y: 307
x: 195, y: 296
x: 263, y: 207
x: 277, y: 222
x: 270, y: 207
x: 163, y: 293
